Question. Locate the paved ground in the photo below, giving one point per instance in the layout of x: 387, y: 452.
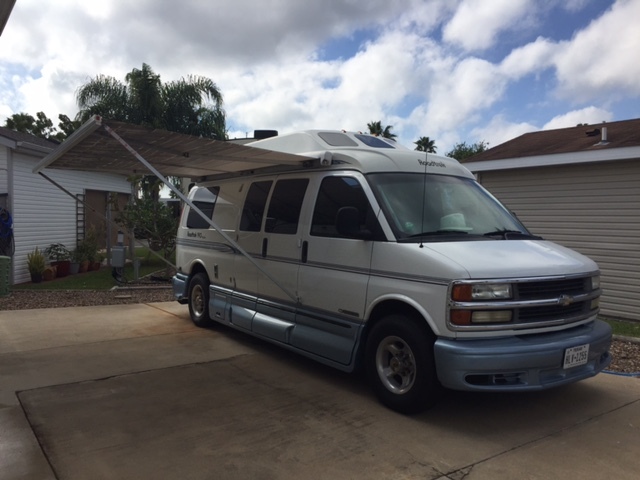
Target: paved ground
x: 137, y: 392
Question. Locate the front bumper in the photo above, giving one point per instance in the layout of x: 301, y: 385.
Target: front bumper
x: 521, y: 363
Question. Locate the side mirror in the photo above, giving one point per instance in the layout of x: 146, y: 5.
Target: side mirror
x: 348, y: 224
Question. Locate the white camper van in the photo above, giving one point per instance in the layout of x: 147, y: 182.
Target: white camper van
x: 398, y: 261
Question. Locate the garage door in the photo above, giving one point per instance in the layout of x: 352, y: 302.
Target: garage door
x: 594, y: 209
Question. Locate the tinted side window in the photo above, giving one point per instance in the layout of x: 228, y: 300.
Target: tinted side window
x: 254, y: 206
x: 285, y: 206
x: 205, y: 200
x: 335, y: 193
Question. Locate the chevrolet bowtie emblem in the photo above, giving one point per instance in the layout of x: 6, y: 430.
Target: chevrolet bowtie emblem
x: 565, y: 300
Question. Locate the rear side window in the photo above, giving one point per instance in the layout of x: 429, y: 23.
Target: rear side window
x: 335, y: 193
x: 254, y: 206
x: 285, y: 206
x: 205, y: 199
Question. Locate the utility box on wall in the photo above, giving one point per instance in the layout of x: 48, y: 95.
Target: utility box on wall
x: 118, y: 256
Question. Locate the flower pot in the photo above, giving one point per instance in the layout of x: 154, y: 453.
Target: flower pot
x: 94, y: 266
x: 62, y: 268
x: 74, y: 268
x: 84, y: 266
x: 36, y: 278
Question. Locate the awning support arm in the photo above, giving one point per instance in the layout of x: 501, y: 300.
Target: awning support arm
x: 196, y: 209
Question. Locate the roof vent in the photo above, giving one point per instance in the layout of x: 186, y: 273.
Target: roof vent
x: 603, y: 138
x: 262, y: 134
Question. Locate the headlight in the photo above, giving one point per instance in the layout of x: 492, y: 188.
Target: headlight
x: 595, y: 282
x: 470, y: 292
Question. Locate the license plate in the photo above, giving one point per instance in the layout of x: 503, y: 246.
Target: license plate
x: 576, y: 356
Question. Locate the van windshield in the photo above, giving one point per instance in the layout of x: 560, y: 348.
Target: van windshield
x: 427, y: 207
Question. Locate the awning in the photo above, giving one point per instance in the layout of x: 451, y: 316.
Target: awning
x: 126, y: 149
x: 102, y: 146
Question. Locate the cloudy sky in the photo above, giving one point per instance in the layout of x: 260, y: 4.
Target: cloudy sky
x: 452, y: 70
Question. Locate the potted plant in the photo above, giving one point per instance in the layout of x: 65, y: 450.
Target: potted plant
x: 76, y: 259
x: 59, y: 256
x: 36, y: 264
x: 81, y: 255
x: 90, y: 248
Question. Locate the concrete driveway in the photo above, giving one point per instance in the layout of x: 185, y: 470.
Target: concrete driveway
x: 137, y: 392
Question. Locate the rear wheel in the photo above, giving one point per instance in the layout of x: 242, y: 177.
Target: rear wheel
x: 199, y: 300
x: 400, y: 364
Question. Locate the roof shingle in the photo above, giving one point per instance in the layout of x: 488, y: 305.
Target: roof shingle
x: 583, y: 138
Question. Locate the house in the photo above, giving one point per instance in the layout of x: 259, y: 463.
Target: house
x: 42, y: 213
x: 579, y: 187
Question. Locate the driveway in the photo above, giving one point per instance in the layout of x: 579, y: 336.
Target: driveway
x: 137, y: 392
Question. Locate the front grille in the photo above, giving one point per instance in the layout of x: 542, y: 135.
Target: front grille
x: 556, y: 312
x: 550, y: 289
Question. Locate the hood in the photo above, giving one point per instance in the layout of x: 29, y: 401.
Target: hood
x: 513, y: 258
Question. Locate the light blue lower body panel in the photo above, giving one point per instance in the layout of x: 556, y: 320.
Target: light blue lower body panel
x: 179, y: 284
x: 519, y: 363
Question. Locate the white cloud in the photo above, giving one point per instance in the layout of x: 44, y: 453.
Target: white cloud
x: 499, y: 130
x: 529, y: 59
x: 587, y: 115
x: 473, y: 85
x: 279, y: 64
x: 477, y: 23
x: 600, y: 62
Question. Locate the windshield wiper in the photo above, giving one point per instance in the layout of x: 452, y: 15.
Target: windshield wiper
x: 439, y: 232
x: 512, y: 235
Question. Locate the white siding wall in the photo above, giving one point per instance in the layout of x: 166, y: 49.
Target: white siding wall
x: 594, y: 209
x: 4, y: 173
x: 42, y: 213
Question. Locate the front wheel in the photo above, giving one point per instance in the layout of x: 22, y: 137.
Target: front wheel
x: 400, y: 364
x: 199, y: 300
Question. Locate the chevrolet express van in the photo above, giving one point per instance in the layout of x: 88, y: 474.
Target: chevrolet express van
x: 398, y: 261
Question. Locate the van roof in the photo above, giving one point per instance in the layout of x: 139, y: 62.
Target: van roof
x: 363, y: 152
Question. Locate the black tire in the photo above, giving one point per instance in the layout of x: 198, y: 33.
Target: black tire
x: 199, y: 300
x: 400, y: 365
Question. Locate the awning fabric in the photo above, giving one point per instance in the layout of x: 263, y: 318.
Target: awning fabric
x: 126, y: 149
x: 95, y: 148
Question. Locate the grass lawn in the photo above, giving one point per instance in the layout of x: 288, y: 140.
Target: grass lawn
x: 627, y: 329
x: 100, y: 279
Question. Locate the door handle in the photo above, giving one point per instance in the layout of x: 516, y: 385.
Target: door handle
x: 265, y: 242
x: 305, y: 250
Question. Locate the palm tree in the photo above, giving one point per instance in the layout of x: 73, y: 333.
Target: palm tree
x: 375, y: 128
x: 425, y: 144
x: 191, y: 105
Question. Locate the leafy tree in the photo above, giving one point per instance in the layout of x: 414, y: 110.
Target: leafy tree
x: 152, y: 221
x: 375, y: 128
x: 41, y: 126
x: 425, y: 144
x: 462, y: 151
x: 191, y: 105
x: 67, y: 127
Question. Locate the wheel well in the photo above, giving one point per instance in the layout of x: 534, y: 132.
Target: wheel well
x: 198, y: 268
x: 382, y: 310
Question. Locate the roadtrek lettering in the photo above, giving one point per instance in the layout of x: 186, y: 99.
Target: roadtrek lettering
x: 426, y: 163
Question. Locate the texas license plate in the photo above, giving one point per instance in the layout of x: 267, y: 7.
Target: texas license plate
x: 576, y: 356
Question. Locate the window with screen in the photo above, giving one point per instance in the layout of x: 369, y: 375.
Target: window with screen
x: 285, y: 206
x: 254, y: 206
x: 205, y: 200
